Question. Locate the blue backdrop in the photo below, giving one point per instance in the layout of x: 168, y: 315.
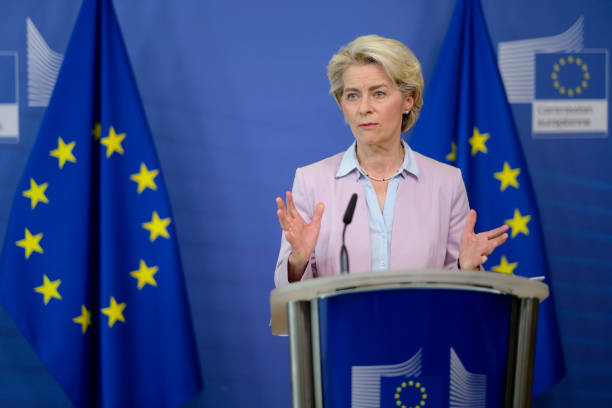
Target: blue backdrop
x: 237, y: 97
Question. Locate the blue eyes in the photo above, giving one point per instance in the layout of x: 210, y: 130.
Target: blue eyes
x: 353, y: 96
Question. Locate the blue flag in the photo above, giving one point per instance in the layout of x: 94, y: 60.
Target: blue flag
x: 576, y: 75
x: 467, y: 121
x: 90, y: 269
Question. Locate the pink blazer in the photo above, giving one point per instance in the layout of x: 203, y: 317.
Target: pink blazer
x: 428, y: 221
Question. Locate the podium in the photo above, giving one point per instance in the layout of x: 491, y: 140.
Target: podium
x: 430, y: 338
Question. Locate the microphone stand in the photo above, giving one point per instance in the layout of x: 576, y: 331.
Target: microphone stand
x: 348, y: 217
x: 344, y: 261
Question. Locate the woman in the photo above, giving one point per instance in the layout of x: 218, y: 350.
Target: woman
x: 412, y: 211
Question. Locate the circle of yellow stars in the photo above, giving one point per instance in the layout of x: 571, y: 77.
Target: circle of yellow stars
x: 414, y: 385
x: 563, y: 63
x: 507, y: 177
x: 157, y: 226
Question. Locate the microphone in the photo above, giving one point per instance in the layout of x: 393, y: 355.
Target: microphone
x: 348, y: 217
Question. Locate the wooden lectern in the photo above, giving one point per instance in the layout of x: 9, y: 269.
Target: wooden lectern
x: 410, y: 339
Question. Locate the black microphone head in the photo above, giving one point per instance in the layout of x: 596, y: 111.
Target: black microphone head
x: 348, y: 215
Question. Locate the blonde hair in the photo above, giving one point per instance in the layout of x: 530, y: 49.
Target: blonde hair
x: 395, y: 58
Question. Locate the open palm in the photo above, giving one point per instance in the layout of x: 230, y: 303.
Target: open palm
x: 301, y: 235
x: 475, y: 248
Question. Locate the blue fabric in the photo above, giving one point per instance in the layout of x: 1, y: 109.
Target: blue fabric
x: 90, y: 234
x: 381, y: 223
x: 366, y: 355
x: 466, y: 102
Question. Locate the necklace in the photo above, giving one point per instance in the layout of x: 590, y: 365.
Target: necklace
x: 380, y: 179
x: 385, y: 178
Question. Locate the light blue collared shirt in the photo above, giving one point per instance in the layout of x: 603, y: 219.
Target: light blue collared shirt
x: 381, y: 223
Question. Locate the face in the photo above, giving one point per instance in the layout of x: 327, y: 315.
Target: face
x: 373, y: 105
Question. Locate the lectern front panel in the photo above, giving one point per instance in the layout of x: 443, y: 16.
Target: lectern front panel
x: 414, y: 348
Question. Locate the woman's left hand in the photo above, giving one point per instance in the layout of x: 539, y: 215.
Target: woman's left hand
x: 474, y: 248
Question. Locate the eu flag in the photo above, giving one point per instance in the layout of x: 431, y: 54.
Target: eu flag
x: 90, y: 270
x: 576, y: 75
x: 467, y: 121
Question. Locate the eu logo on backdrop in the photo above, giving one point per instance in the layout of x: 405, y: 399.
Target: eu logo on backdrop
x: 571, y: 75
x: 571, y: 93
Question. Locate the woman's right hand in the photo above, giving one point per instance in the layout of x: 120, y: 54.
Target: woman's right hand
x: 301, y: 235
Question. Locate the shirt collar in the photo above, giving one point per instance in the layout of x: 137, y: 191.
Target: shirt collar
x: 349, y: 161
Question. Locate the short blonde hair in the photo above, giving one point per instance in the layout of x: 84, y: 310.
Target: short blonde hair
x: 395, y: 58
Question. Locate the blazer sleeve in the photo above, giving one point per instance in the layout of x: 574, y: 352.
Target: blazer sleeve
x: 458, y: 212
x: 304, y: 202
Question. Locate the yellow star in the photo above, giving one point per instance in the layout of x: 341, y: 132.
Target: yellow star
x: 31, y: 243
x: 113, y: 142
x: 505, y: 266
x: 507, y: 177
x: 84, y: 319
x: 157, y: 226
x: 97, y: 131
x: 63, y: 153
x: 114, y: 312
x: 146, y: 178
x: 145, y: 275
x: 36, y: 193
x: 478, y: 142
x: 519, y: 223
x: 452, y: 156
x: 49, y: 289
